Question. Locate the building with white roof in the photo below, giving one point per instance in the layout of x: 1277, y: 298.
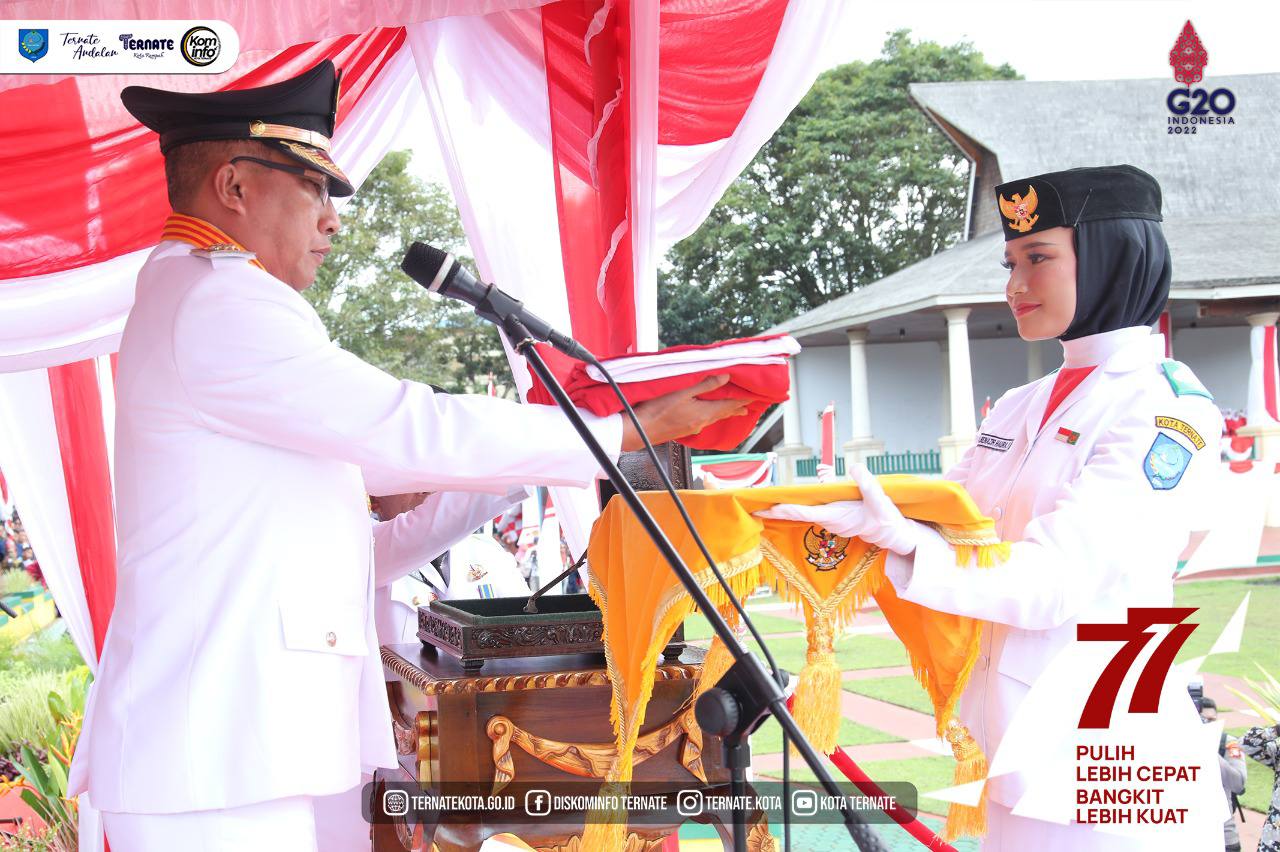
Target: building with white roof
x: 910, y: 359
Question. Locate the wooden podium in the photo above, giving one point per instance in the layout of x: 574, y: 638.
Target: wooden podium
x: 537, y: 719
x: 541, y: 718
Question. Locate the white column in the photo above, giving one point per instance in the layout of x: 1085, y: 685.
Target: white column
x: 1264, y: 430
x: 862, y: 443
x: 1261, y: 426
x: 960, y: 381
x: 793, y: 447
x: 1035, y: 360
x: 1262, y: 336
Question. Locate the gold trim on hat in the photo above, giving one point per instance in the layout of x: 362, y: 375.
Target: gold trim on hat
x: 319, y: 160
x: 262, y: 130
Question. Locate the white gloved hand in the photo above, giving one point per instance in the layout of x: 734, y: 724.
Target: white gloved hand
x: 826, y: 473
x: 874, y: 518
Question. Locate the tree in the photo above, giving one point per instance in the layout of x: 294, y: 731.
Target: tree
x: 856, y: 184
x: 375, y: 311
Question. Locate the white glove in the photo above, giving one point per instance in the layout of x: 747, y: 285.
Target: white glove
x: 874, y: 518
x: 826, y: 473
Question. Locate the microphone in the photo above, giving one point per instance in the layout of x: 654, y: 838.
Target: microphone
x: 441, y: 273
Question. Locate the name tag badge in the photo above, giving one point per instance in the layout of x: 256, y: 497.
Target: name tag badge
x: 995, y: 442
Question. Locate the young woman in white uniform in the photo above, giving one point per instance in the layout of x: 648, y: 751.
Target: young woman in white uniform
x: 1091, y: 472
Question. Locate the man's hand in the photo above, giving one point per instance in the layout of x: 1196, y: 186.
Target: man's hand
x: 680, y: 413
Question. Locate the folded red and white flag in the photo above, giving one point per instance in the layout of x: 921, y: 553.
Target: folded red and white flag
x: 757, y: 369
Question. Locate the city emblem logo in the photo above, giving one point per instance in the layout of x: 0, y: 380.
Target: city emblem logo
x: 826, y: 549
x: 33, y: 44
x: 1165, y: 463
x: 1019, y: 211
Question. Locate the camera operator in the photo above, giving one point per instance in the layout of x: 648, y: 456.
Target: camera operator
x: 1230, y: 762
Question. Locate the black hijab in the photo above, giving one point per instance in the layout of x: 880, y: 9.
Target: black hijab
x: 1123, y: 272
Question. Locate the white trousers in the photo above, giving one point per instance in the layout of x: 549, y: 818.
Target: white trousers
x: 281, y: 825
x: 299, y: 824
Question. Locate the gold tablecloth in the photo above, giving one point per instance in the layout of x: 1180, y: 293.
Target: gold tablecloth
x: 829, y: 576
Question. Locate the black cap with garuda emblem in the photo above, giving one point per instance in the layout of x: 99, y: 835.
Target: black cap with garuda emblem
x: 1069, y: 197
x: 296, y: 116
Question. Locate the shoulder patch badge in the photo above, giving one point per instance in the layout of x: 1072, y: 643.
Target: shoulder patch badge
x: 223, y: 251
x: 1182, y: 427
x: 1182, y: 380
x: 1165, y: 463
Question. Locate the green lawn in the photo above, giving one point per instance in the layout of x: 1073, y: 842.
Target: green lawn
x: 852, y: 652
x: 903, y: 691
x: 926, y: 773
x: 768, y: 740
x: 1217, y: 600
x: 1257, y: 787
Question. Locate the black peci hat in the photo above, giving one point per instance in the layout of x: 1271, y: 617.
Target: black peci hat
x: 296, y: 116
x: 1067, y: 198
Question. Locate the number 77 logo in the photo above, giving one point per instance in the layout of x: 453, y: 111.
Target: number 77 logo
x: 1146, y: 692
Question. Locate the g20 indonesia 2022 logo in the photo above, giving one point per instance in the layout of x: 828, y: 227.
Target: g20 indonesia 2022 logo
x: 1189, y: 108
x: 33, y: 44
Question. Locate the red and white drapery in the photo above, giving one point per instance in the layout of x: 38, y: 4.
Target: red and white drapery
x: 581, y: 139
x: 737, y: 472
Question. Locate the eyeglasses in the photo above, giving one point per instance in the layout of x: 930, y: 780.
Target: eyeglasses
x: 321, y: 186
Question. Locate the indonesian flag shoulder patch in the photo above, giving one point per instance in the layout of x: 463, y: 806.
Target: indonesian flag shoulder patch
x: 1067, y: 436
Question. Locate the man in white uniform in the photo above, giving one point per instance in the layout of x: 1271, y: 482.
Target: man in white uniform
x: 245, y: 444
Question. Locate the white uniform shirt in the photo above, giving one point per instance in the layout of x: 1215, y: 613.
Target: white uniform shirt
x: 241, y: 663
x: 415, y: 538
x: 1096, y: 508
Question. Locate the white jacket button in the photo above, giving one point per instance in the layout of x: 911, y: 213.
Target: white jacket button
x: 331, y: 638
x: 997, y: 512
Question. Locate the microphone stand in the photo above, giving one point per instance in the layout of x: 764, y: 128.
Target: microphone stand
x: 737, y: 704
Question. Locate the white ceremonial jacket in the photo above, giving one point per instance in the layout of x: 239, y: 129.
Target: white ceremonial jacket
x: 1093, y: 534
x: 241, y: 663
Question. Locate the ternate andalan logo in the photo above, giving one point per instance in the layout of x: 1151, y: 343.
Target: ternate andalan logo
x: 1189, y: 108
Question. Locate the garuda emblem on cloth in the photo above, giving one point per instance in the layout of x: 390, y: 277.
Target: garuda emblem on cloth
x: 826, y: 549
x: 1019, y: 211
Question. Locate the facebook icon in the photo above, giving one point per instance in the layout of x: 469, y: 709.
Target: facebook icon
x: 537, y: 803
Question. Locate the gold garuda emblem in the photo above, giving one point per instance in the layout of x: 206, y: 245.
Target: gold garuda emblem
x: 826, y: 549
x: 1019, y: 211
x: 476, y: 572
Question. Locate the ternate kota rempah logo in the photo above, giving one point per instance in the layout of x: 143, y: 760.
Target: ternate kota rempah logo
x: 1190, y: 107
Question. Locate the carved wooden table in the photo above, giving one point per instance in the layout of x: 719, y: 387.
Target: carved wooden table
x: 536, y: 719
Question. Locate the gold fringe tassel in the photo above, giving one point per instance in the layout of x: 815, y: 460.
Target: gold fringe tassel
x: 817, y: 704
x: 607, y: 831
x: 971, y: 765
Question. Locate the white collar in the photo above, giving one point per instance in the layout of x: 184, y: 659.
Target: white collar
x: 1097, y: 349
